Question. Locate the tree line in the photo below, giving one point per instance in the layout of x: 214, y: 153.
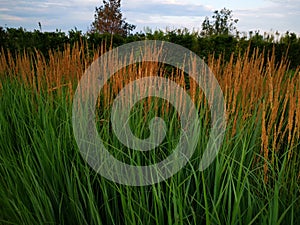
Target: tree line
x: 18, y: 39
x: 218, y: 36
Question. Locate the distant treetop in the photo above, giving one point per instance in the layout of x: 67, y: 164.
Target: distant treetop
x: 222, y: 23
x: 109, y: 19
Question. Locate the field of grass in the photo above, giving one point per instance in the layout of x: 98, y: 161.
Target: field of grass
x: 255, y: 178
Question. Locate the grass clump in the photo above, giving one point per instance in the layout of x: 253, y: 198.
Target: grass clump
x: 44, y: 180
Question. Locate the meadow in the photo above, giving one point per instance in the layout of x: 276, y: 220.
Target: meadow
x: 255, y: 178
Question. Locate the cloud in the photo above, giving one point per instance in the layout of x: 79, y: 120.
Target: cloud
x: 53, y: 15
x: 162, y: 14
x: 283, y: 1
x: 167, y: 9
x: 280, y: 16
x: 76, y: 13
x: 12, y: 18
x: 264, y: 15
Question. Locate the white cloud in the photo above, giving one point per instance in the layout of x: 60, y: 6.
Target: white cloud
x: 11, y: 18
x: 261, y: 15
x: 280, y: 16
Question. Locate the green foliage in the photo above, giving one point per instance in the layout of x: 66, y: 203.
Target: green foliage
x: 222, y: 24
x: 18, y: 40
x: 288, y: 45
x: 109, y: 19
x: 44, y: 179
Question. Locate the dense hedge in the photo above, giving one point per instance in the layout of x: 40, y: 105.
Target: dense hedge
x: 19, y: 40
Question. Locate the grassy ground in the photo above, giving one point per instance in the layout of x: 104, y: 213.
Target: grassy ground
x: 44, y: 180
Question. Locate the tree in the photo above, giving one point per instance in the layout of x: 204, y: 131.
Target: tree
x: 289, y: 38
x: 222, y: 24
x: 109, y: 19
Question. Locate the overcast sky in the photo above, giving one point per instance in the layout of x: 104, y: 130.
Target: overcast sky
x: 263, y: 15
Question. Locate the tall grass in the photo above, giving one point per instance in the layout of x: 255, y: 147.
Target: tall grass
x: 44, y: 180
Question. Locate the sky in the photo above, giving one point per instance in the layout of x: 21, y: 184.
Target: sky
x: 255, y: 15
